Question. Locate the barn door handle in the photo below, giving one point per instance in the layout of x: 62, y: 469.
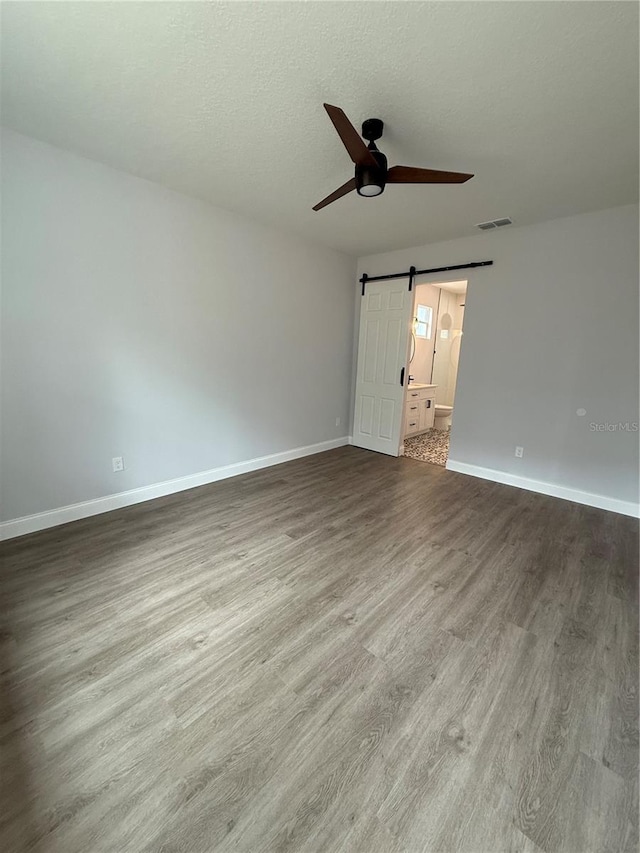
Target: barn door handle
x: 402, y: 376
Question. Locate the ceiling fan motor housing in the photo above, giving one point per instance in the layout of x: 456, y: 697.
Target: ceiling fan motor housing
x: 372, y: 129
x: 371, y: 176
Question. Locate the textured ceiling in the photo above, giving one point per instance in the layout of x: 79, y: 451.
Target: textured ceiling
x: 224, y: 101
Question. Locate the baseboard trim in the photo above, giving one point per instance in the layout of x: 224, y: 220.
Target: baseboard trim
x: 555, y: 491
x: 74, y: 512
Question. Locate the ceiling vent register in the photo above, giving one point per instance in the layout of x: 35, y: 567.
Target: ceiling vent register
x: 494, y: 223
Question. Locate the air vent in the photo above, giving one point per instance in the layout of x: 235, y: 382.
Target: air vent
x: 494, y: 223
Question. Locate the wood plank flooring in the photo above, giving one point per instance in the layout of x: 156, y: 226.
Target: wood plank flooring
x: 343, y: 653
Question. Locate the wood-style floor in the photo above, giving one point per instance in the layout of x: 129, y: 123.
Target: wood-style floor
x: 344, y: 653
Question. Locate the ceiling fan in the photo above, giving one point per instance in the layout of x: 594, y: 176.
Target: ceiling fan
x: 372, y: 172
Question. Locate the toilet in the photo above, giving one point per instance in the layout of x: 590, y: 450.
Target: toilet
x: 443, y: 417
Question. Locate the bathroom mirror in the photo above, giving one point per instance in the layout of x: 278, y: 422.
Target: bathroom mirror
x: 446, y: 321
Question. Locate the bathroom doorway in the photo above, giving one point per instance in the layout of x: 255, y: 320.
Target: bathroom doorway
x: 436, y: 337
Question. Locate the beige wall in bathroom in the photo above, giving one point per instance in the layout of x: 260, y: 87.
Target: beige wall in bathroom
x: 447, y: 356
x: 456, y: 346
x: 420, y: 367
x: 444, y: 370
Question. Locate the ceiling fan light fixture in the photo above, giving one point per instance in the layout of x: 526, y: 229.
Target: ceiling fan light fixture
x: 370, y: 180
x: 369, y: 190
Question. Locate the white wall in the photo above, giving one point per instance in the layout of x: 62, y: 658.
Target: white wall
x: 138, y: 322
x: 551, y: 328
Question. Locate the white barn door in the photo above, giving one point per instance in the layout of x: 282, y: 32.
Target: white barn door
x: 385, y: 317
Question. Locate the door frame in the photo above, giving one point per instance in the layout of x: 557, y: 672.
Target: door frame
x: 474, y: 271
x: 444, y: 278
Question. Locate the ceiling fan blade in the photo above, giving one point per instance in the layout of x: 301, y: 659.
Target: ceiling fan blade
x: 350, y: 137
x: 411, y: 175
x: 343, y: 190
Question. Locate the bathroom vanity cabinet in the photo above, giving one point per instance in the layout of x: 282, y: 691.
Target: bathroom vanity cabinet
x: 419, y: 408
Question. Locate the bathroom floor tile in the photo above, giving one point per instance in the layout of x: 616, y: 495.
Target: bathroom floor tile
x: 431, y: 446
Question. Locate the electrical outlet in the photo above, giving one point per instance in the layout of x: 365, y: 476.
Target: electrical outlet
x: 117, y: 463
x: 519, y: 452
x: 337, y: 421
